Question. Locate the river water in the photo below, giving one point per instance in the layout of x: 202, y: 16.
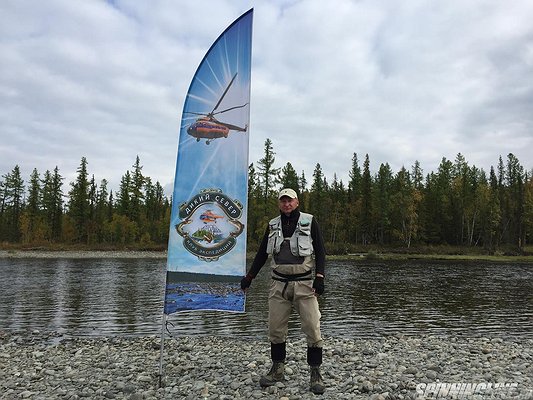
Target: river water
x: 106, y: 297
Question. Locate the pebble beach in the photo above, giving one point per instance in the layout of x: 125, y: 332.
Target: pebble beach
x: 41, y: 365
x: 38, y: 365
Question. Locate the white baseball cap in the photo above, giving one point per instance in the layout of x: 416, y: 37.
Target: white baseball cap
x: 287, y: 192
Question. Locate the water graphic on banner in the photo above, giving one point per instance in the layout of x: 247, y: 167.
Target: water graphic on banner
x: 207, y: 242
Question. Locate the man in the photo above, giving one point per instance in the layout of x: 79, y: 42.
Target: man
x: 294, y: 241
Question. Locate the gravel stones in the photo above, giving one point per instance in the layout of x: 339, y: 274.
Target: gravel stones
x: 38, y: 365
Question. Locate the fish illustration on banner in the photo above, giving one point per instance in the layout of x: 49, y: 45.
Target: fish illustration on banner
x: 207, y: 242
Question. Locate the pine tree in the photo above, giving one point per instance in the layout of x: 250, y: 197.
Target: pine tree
x: 154, y: 211
x: 353, y: 209
x: 354, y: 185
x: 460, y: 197
x: 32, y: 212
x: 317, y: 197
x: 528, y: 209
x: 444, y: 211
x: 493, y: 216
x: 101, y: 210
x: 52, y: 204
x: 268, y: 177
x: 366, y: 203
x: 255, y: 229
x: 136, y: 194
x: 92, y: 224
x: 12, y: 206
x: 110, y: 206
x: 405, y: 203
x: 289, y: 178
x: 417, y: 176
x: 337, y: 198
x: 304, y: 193
x: 2, y: 208
x: 302, y: 182
x: 515, y: 201
x: 123, y: 203
x: 79, y: 203
x: 383, y: 203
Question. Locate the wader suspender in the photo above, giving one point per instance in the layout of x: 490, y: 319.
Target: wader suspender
x: 304, y: 276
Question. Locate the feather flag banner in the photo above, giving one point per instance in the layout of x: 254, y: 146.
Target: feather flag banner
x: 207, y: 242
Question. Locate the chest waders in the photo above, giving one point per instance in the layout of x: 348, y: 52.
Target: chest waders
x: 285, y: 278
x: 291, y: 286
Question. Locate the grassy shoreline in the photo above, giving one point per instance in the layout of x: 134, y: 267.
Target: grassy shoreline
x: 451, y: 254
x: 526, y: 259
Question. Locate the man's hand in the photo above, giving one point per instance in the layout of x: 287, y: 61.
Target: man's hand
x: 246, y: 282
x: 318, y: 285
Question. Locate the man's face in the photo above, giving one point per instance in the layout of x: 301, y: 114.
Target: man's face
x: 287, y: 205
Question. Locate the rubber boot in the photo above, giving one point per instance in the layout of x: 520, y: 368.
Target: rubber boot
x: 276, y: 373
x: 314, y: 359
x: 317, y: 384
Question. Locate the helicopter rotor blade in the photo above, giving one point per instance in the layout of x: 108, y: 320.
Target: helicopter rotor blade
x: 229, y: 109
x: 223, y: 94
x: 195, y: 113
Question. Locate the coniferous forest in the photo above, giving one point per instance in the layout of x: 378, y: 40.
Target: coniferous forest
x: 457, y: 205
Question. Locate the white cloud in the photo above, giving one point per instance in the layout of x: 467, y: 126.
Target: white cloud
x: 399, y: 81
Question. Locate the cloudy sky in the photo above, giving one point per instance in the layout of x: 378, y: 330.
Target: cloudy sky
x: 397, y: 80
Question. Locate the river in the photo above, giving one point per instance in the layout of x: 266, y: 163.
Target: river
x: 108, y: 297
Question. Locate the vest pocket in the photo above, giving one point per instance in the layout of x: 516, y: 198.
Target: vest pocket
x: 304, y: 244
x: 272, y: 238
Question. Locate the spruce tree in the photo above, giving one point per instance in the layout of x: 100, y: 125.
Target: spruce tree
x: 318, y: 195
x: 136, y: 192
x: 12, y: 205
x: 289, y: 178
x: 383, y: 203
x: 52, y: 204
x: 32, y: 211
x: 268, y: 177
x: 366, y: 203
x: 354, y: 185
x: 79, y: 203
x: 123, y: 202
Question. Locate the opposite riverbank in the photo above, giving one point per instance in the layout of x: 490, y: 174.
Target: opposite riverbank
x: 161, y: 254
x: 42, y: 366
x: 99, y: 254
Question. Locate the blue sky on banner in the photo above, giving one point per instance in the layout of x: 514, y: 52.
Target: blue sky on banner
x: 222, y: 80
x: 399, y: 80
x: 223, y: 60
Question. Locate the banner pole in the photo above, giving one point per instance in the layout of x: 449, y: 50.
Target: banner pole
x: 161, y: 351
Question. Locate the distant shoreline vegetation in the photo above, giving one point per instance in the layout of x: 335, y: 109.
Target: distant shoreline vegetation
x: 457, y: 207
x: 375, y: 255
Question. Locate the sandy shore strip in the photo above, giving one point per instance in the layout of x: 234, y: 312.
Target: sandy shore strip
x: 36, y: 365
x: 82, y: 254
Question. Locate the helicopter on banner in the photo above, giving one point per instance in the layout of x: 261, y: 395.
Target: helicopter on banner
x: 209, y: 216
x: 208, y: 127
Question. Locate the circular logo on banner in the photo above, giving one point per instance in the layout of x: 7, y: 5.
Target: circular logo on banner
x: 210, y: 224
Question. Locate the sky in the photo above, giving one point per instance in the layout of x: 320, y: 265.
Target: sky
x: 401, y: 81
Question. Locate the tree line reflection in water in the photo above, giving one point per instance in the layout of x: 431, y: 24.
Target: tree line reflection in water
x: 105, y: 297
